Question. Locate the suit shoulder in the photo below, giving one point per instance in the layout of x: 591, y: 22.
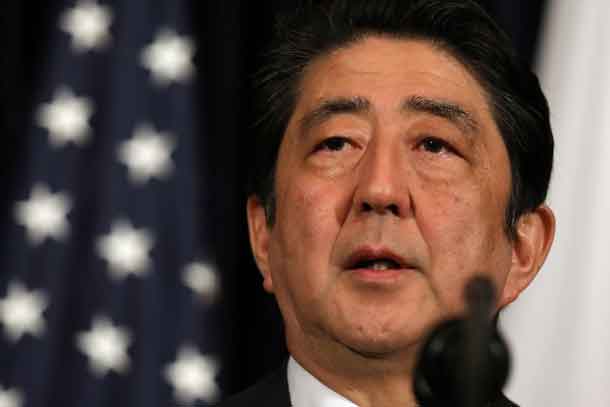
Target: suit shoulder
x: 271, y: 391
x: 503, y: 402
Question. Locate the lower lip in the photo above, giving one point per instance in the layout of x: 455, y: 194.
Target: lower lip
x: 378, y: 276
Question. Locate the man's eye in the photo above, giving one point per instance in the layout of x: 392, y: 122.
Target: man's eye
x: 435, y: 145
x: 332, y: 144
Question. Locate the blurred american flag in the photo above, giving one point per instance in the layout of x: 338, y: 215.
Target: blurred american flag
x: 108, y: 293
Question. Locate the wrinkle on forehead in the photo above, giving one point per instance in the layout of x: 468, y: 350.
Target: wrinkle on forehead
x: 430, y: 67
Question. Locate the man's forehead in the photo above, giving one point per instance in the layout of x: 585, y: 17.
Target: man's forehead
x: 400, y: 72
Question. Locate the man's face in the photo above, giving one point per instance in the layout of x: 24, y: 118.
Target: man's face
x: 392, y: 182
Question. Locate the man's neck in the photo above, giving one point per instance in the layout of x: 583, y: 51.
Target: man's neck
x: 379, y: 381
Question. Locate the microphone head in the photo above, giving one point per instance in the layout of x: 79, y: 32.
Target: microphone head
x: 480, y: 296
x: 464, y: 362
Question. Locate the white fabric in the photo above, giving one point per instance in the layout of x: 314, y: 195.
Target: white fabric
x: 307, y: 391
x: 559, y: 328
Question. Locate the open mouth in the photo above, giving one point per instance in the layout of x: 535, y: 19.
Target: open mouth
x: 377, y: 264
x: 376, y: 260
x: 379, y: 267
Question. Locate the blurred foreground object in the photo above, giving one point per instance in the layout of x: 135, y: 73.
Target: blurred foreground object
x: 464, y: 362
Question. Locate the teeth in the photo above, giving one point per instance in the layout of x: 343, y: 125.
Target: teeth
x: 382, y: 265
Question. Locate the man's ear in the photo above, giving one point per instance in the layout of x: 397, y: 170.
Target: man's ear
x: 259, y: 233
x: 534, y: 235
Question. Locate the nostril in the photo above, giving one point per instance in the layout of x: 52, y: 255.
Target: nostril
x: 394, y: 209
x: 366, y: 207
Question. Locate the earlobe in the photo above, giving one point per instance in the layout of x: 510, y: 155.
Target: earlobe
x: 259, y: 232
x: 534, y: 236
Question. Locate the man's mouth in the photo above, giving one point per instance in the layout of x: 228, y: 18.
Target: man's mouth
x: 377, y: 262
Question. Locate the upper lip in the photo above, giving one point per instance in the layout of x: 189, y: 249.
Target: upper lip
x: 368, y: 253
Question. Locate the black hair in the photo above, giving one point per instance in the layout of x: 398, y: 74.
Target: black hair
x: 461, y: 28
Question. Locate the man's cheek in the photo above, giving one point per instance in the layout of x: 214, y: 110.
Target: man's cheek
x: 315, y: 205
x: 442, y: 212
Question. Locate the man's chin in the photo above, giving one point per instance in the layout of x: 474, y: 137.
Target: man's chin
x: 378, y: 346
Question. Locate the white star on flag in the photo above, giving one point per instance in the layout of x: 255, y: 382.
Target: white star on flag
x: 201, y: 278
x: 105, y: 345
x: 126, y: 249
x: 44, y: 214
x: 66, y: 118
x: 21, y: 312
x: 147, y: 154
x: 88, y: 24
x: 169, y: 57
x: 10, y: 398
x: 192, y: 376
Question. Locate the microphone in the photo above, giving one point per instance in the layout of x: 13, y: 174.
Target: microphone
x: 465, y: 361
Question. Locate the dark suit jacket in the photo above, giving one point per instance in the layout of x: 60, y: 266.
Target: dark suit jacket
x: 272, y: 391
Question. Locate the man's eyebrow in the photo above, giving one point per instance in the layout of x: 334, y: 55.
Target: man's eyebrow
x: 334, y: 106
x: 442, y: 108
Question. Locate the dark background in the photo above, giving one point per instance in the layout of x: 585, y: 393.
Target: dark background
x: 231, y: 35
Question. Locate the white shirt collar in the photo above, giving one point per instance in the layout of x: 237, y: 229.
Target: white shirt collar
x: 307, y: 391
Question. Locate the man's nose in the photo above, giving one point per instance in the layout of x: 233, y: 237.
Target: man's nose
x: 382, y: 185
